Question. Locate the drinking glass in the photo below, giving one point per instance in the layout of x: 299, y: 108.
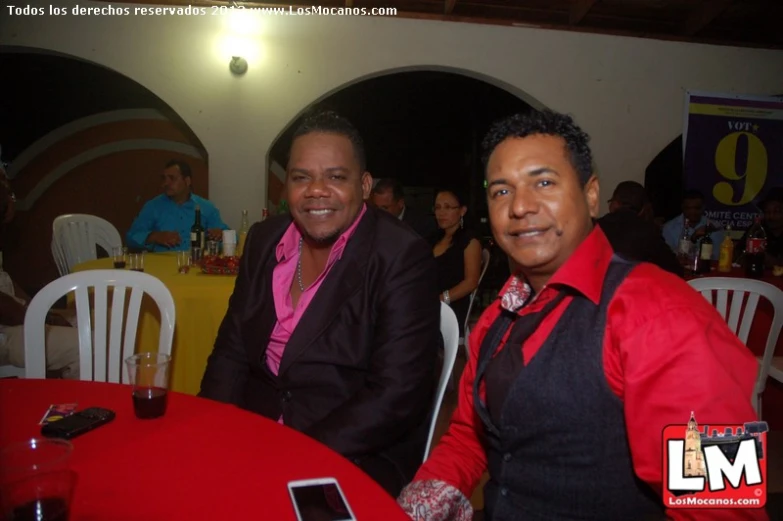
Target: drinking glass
x: 149, y: 376
x: 213, y: 248
x: 120, y: 254
x: 136, y: 261
x: 36, y: 482
x: 183, y: 261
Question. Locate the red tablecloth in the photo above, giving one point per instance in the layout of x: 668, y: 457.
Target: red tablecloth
x: 202, y: 461
x: 772, y: 399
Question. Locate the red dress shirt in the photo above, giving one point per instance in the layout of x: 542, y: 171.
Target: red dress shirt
x: 666, y: 352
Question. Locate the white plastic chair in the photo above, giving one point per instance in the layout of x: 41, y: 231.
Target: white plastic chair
x: 484, y: 265
x: 769, y: 364
x: 75, y: 236
x: 93, y: 358
x: 11, y: 371
x: 449, y: 330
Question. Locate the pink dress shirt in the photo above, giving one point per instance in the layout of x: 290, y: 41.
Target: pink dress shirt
x: 287, y: 253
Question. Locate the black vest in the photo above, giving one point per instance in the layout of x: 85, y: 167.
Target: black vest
x: 555, y: 432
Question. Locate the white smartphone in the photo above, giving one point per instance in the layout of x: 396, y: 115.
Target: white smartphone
x: 319, y: 500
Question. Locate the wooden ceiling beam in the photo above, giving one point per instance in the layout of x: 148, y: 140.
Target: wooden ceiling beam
x: 449, y: 7
x: 579, y: 10
x: 704, y: 15
x: 512, y: 22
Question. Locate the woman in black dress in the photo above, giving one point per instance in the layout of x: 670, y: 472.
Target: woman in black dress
x: 457, y: 254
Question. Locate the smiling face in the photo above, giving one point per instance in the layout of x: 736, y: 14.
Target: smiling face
x: 325, y: 185
x: 539, y: 211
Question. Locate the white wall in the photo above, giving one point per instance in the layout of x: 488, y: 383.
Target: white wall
x: 627, y: 93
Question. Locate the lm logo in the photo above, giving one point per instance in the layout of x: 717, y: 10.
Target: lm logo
x: 719, y: 466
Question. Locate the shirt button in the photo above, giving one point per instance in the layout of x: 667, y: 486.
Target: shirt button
x: 287, y: 396
x: 504, y: 491
x: 507, y: 457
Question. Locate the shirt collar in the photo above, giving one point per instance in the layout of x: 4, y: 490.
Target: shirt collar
x: 288, y: 246
x: 584, y: 271
x: 402, y: 213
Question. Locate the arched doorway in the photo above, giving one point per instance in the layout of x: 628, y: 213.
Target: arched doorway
x: 423, y: 126
x: 79, y: 137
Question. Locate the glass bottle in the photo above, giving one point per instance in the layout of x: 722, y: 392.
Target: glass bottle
x: 242, y: 234
x: 755, y: 250
x: 726, y: 252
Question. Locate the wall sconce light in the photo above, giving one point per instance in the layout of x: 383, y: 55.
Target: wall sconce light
x: 238, y: 65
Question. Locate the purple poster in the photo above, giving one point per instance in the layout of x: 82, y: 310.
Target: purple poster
x: 733, y: 149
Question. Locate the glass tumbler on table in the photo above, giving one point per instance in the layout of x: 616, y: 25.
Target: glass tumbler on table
x: 136, y: 261
x: 120, y: 256
x: 36, y: 482
x: 148, y: 373
x: 183, y: 261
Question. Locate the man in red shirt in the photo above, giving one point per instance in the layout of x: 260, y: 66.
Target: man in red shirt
x: 583, y: 360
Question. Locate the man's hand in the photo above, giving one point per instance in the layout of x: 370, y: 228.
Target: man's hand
x: 215, y: 234
x: 167, y: 239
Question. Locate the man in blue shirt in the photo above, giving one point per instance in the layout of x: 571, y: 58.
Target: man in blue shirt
x: 693, y: 211
x: 164, y: 222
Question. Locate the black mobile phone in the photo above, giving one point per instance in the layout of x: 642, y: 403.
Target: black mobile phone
x: 78, y: 423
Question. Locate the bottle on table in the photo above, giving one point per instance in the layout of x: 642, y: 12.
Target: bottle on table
x: 684, y: 247
x: 197, y: 237
x: 242, y: 234
x: 755, y: 250
x: 726, y: 252
x: 704, y: 261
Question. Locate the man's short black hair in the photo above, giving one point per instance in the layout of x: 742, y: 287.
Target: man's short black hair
x: 387, y: 183
x: 631, y: 195
x: 548, y: 123
x: 330, y: 122
x: 184, y: 168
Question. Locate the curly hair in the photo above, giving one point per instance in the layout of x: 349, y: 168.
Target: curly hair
x: 331, y: 122
x: 548, y: 123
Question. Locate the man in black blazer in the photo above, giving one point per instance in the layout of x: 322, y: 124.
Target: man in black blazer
x: 630, y: 229
x: 333, y: 326
x: 388, y: 195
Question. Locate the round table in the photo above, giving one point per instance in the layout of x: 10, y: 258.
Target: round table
x: 203, y: 460
x: 201, y: 302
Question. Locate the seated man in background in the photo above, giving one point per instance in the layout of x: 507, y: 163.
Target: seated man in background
x: 772, y: 222
x: 333, y: 326
x: 62, y: 340
x: 164, y: 222
x: 630, y: 229
x: 387, y: 194
x: 698, y: 224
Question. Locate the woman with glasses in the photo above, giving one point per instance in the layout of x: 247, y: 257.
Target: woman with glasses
x: 457, y: 254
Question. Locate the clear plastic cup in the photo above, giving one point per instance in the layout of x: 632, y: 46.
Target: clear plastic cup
x: 36, y: 481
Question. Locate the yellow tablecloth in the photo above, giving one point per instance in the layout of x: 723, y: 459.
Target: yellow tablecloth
x: 201, y: 302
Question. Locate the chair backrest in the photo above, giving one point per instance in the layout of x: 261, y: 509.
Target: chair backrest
x: 738, y: 319
x: 11, y: 371
x: 484, y: 266
x: 99, y: 362
x: 75, y: 236
x: 449, y: 330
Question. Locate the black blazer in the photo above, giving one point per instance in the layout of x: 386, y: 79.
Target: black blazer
x: 357, y: 372
x: 641, y: 240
